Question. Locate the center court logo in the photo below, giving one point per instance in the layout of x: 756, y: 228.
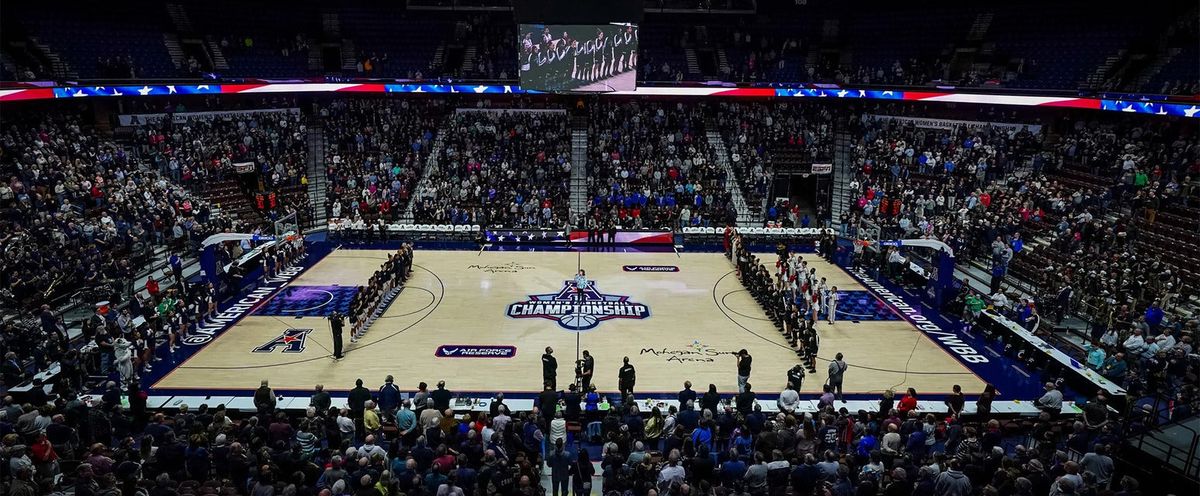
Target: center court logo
x: 578, y: 314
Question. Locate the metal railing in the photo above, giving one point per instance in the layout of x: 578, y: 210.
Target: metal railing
x: 1187, y: 454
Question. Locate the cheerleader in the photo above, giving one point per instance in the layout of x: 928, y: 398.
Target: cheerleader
x: 169, y: 328
x: 142, y: 351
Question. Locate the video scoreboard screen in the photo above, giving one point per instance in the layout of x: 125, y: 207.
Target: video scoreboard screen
x: 578, y: 57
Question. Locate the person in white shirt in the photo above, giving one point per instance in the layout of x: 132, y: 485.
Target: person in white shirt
x: 832, y: 305
x: 346, y: 424
x: 895, y: 261
x: 1136, y: 344
x: 788, y: 399
x: 1165, y: 341
x: 672, y: 472
x: 1000, y: 301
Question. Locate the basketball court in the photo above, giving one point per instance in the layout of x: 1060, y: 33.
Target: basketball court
x: 480, y: 320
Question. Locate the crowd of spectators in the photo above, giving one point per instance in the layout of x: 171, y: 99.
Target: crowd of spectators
x: 990, y: 191
x: 650, y: 165
x: 82, y: 212
x: 379, y: 152
x: 383, y: 443
x: 765, y: 137
x: 203, y: 149
x: 74, y: 204
x: 503, y: 168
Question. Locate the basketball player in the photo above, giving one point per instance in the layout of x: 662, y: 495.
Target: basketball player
x: 581, y: 284
x: 335, y: 326
x: 811, y: 343
x: 792, y: 326
x: 823, y: 294
x: 832, y: 303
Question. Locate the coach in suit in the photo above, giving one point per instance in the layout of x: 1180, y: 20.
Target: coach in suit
x: 549, y: 369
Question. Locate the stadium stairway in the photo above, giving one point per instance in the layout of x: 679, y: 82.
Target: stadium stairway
x: 745, y: 218
x: 579, y: 183
x: 316, y: 174
x: 431, y: 165
x: 843, y: 174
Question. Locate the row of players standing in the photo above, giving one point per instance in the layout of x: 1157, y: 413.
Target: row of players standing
x: 391, y: 274
x: 793, y: 295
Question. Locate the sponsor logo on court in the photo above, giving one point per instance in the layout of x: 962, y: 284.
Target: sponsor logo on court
x: 650, y: 268
x: 696, y: 352
x: 578, y: 312
x: 948, y: 340
x: 473, y: 351
x: 291, y: 340
x: 508, y: 268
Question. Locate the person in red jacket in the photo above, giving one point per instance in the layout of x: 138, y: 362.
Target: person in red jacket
x: 908, y: 403
x: 152, y: 288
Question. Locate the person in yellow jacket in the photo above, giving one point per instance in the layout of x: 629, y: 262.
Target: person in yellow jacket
x: 371, y: 422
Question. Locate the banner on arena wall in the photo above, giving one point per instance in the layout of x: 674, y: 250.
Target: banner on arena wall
x: 540, y: 236
x: 467, y: 110
x: 954, y: 123
x: 183, y: 117
x: 822, y: 168
x: 243, y: 167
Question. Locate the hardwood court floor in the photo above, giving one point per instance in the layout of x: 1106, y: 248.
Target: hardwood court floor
x: 694, y: 320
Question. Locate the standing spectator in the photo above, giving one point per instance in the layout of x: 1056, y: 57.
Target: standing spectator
x: 837, y: 371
